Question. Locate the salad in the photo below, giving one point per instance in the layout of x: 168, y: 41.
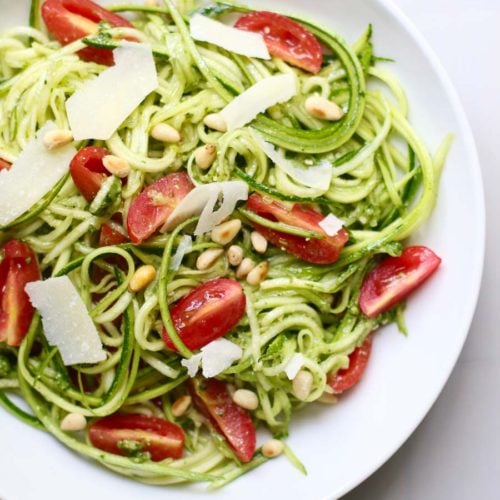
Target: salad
x: 204, y: 214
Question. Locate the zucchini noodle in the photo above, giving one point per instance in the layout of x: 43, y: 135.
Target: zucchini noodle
x: 384, y: 187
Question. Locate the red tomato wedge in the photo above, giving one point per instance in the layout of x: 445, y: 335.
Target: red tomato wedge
x: 4, y: 165
x: 212, y: 399
x: 285, y: 39
x: 88, y: 171
x: 111, y: 234
x: 156, y: 436
x: 350, y: 376
x: 18, y: 266
x: 149, y: 211
x: 316, y: 251
x: 208, y: 312
x: 395, y: 278
x: 70, y: 20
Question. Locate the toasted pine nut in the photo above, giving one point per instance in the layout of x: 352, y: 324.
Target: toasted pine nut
x: 116, y: 166
x: 165, y: 133
x: 322, y: 108
x: 73, y: 422
x: 57, y: 138
x: 259, y: 243
x: 235, y: 255
x: 225, y: 232
x: 258, y: 274
x: 245, y: 267
x: 215, y: 122
x: 272, y: 448
x: 207, y: 258
x: 327, y: 399
x: 142, y: 278
x: 181, y: 405
x: 246, y: 399
x: 302, y: 384
x: 151, y: 3
x: 205, y: 156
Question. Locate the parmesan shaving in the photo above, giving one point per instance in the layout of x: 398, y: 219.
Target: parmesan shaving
x: 101, y: 105
x: 36, y: 171
x: 331, y: 225
x: 66, y: 322
x: 235, y: 40
x: 218, y: 356
x: 294, y: 365
x: 185, y: 245
x: 264, y: 94
x: 192, y: 364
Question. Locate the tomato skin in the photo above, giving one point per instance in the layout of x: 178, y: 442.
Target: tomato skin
x: 149, y: 211
x: 395, y: 278
x: 70, y: 20
x: 4, y: 165
x: 88, y: 171
x: 208, y: 312
x: 285, y: 39
x: 18, y: 267
x: 212, y: 399
x: 344, y: 379
x: 316, y: 251
x: 161, y: 438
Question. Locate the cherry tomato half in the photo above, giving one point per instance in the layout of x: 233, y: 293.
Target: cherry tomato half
x: 149, y: 211
x: 88, y: 171
x: 70, y: 20
x: 350, y: 376
x: 156, y: 436
x: 285, y: 39
x: 208, y: 312
x: 316, y: 251
x: 395, y: 278
x: 4, y: 165
x: 213, y: 400
x: 111, y: 234
x: 18, y: 266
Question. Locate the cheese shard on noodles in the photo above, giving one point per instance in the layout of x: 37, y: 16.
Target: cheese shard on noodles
x: 66, y: 323
x: 232, y: 39
x: 35, y: 172
x: 101, y: 105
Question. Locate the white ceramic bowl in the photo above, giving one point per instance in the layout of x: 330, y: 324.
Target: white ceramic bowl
x: 340, y: 445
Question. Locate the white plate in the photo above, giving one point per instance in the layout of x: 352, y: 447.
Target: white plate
x: 341, y: 445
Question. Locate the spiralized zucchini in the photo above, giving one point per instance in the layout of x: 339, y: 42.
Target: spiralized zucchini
x: 384, y: 187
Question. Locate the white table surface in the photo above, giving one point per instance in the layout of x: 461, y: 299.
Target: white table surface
x: 455, y: 453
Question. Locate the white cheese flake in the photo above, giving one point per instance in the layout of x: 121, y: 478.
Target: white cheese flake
x: 185, y: 245
x: 202, y: 201
x: 331, y: 225
x: 101, y: 105
x: 66, y: 322
x: 218, y: 356
x: 294, y: 365
x: 192, y: 364
x: 35, y: 172
x: 316, y: 176
x: 235, y: 40
x: 259, y: 97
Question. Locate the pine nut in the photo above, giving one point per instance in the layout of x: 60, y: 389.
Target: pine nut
x: 245, y: 267
x: 258, y: 274
x: 207, y: 258
x: 246, y: 399
x: 215, y: 122
x: 116, y: 166
x: 272, y: 448
x: 225, y: 232
x: 205, y: 156
x: 302, y: 384
x: 259, y: 243
x: 164, y: 132
x: 57, y: 138
x: 235, y: 255
x: 327, y: 399
x: 322, y: 108
x: 181, y: 405
x: 73, y: 422
x: 142, y: 278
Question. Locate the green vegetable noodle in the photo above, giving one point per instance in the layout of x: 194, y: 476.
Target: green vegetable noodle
x: 382, y: 185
